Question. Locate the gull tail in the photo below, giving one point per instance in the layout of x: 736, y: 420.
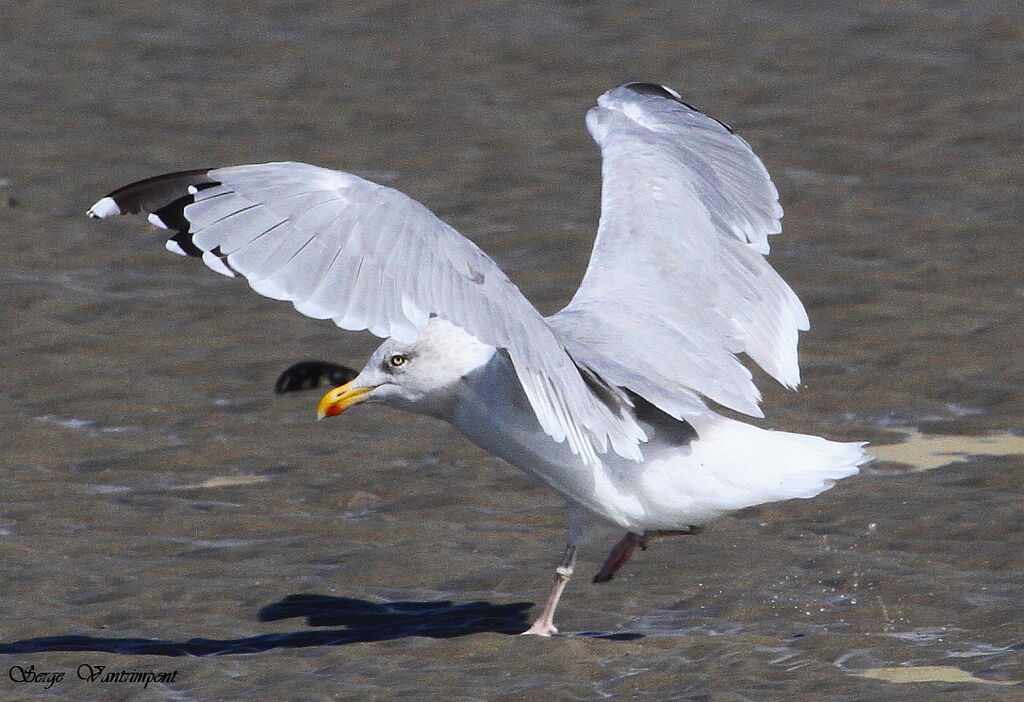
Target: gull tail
x: 733, y: 465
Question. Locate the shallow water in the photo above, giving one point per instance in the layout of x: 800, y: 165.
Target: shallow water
x: 160, y: 501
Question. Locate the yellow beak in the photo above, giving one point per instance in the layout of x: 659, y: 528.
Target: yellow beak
x: 340, y: 399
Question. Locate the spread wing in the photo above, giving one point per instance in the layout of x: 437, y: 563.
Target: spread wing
x: 368, y: 257
x: 678, y: 283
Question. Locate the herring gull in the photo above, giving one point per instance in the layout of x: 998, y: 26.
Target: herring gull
x: 606, y: 400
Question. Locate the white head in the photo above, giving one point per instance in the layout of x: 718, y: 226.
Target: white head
x: 420, y: 377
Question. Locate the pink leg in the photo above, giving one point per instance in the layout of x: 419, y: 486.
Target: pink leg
x: 544, y: 625
x: 623, y: 551
x: 618, y: 556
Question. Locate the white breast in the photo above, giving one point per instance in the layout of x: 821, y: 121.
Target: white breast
x: 492, y: 411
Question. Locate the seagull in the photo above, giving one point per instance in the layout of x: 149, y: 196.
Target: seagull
x: 612, y: 401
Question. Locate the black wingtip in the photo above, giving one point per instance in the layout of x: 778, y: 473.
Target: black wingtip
x: 655, y: 90
x: 151, y: 193
x: 165, y: 198
x: 172, y: 216
x: 661, y: 91
x: 308, y: 375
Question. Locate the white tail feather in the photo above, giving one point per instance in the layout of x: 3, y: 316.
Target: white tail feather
x: 733, y: 465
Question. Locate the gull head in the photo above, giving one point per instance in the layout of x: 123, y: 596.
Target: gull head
x: 421, y: 377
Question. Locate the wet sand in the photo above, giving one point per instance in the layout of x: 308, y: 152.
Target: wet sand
x: 161, y: 503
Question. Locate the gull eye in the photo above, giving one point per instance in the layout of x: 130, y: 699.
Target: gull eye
x: 397, y: 360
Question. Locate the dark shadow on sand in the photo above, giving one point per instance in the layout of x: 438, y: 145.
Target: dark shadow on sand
x: 362, y: 621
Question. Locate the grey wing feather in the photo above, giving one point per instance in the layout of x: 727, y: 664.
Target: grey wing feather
x: 677, y: 284
x: 369, y: 257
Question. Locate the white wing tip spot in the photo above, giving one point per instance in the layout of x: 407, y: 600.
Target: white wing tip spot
x: 156, y: 221
x: 671, y: 92
x: 216, y: 264
x: 104, y: 207
x: 174, y: 247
